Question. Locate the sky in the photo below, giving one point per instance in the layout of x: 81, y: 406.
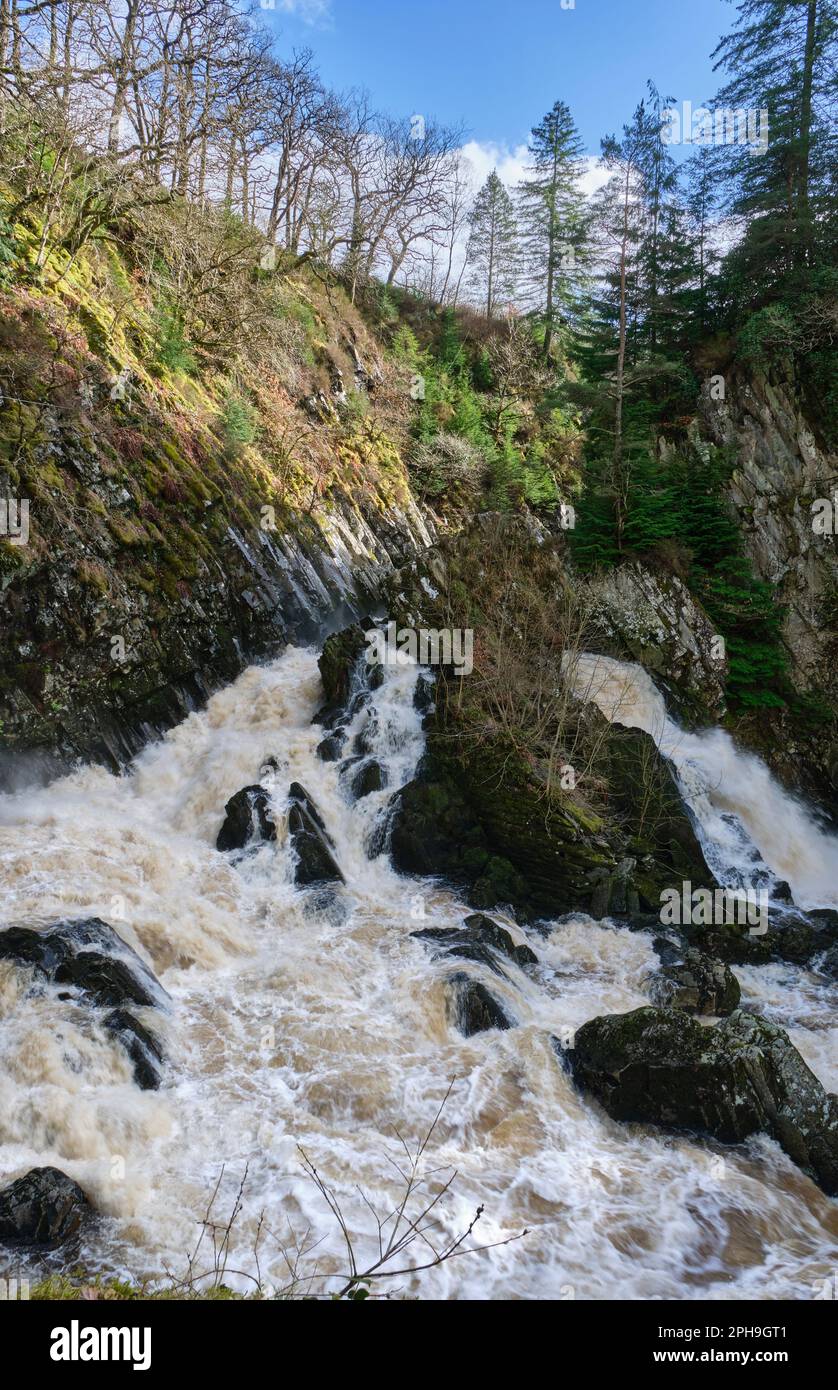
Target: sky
x: 496, y: 66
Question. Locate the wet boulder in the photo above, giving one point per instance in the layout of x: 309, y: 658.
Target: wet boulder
x: 789, y: 935
x: 473, y: 1008
x: 480, y: 940
x: 739, y: 1078
x: 44, y: 1207
x: 423, y: 695
x: 316, y: 862
x: 330, y: 749
x: 88, y: 955
x: 827, y: 963
x: 369, y: 777
x: 338, y: 662
x: 695, y: 982
x: 142, y: 1047
x: 247, y: 820
x: 344, y: 674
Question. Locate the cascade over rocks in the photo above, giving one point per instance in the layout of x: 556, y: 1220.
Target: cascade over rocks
x: 339, y: 664
x: 308, y: 834
x: 741, y: 1077
x: 87, y: 954
x: 480, y: 940
x: 247, y: 820
x: 473, y: 1008
x: 44, y: 1207
x: 368, y: 777
x: 90, y: 956
x: 142, y: 1047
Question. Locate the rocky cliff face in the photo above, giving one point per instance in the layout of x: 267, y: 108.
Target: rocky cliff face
x: 783, y: 477
x: 780, y: 471
x: 141, y: 666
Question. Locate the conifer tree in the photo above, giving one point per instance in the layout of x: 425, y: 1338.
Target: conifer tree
x: 493, y: 244
x: 551, y: 214
x: 781, y: 56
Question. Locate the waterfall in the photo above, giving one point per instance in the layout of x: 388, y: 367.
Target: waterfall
x: 315, y: 1019
x: 751, y: 830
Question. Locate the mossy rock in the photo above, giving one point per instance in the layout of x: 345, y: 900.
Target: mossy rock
x: 740, y: 1078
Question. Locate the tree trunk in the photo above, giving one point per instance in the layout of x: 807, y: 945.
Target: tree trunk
x: 621, y: 369
x: 122, y: 75
x: 806, y: 127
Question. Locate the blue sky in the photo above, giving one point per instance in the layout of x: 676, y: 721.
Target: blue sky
x: 497, y: 66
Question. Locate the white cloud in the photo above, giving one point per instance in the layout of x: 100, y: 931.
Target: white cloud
x: 511, y: 165
x: 309, y: 11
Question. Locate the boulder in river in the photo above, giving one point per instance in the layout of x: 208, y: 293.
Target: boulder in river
x: 44, y: 1207
x: 474, y: 1009
x: 480, y: 940
x: 330, y: 749
x: 739, y: 1078
x: 142, y: 1047
x: 694, y: 982
x: 87, y: 954
x: 316, y: 862
x: 247, y: 820
x: 368, y: 777
x: 342, y: 671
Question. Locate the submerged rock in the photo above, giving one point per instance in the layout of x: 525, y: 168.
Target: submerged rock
x: 739, y: 1078
x: 696, y: 983
x: 247, y: 820
x: 87, y: 954
x: 474, y: 1009
x: 480, y: 940
x: 316, y: 861
x: 142, y: 1047
x: 44, y: 1207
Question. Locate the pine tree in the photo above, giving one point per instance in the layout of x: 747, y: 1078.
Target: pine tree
x: 493, y: 244
x: 551, y: 214
x: 782, y: 57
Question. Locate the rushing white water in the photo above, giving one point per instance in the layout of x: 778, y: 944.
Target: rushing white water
x: 749, y: 827
x: 303, y: 1021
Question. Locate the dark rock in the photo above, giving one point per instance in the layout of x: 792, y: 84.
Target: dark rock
x: 247, y: 820
x: 474, y: 1009
x: 142, y: 1047
x: 330, y: 749
x: 370, y: 777
x: 341, y: 669
x: 479, y: 940
x: 825, y: 919
x: 827, y: 964
x: 88, y: 954
x: 308, y: 834
x: 423, y: 695
x: 364, y: 741
x: 698, y: 984
x: 782, y: 892
x: 44, y: 1207
x: 433, y: 831
x: 739, y: 1078
x: 790, y: 936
